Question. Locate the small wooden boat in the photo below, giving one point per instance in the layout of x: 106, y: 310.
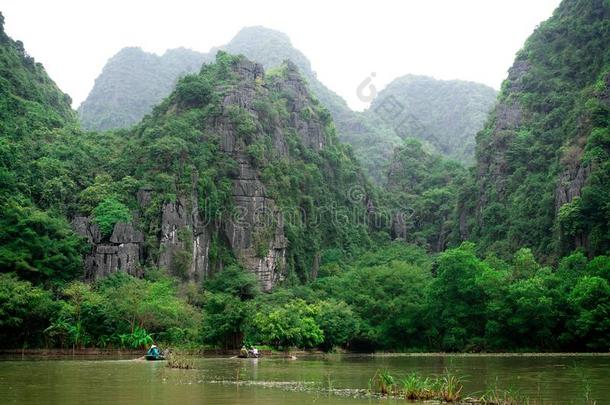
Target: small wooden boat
x: 248, y: 354
x: 154, y: 354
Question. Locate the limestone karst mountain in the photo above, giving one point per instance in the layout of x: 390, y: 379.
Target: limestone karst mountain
x: 542, y: 159
x: 230, y: 165
x: 445, y: 115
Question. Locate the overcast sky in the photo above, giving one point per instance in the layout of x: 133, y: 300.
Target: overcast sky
x: 345, y: 40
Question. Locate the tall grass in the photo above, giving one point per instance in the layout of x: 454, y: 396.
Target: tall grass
x: 451, y: 386
x: 415, y: 387
x: 497, y: 396
x: 447, y: 387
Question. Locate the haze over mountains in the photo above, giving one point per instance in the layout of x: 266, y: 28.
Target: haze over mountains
x: 445, y: 115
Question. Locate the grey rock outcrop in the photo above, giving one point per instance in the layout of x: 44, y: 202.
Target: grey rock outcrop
x: 183, y: 233
x: 122, y: 253
x: 255, y: 231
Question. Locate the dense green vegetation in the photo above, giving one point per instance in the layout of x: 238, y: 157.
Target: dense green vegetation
x: 34, y: 242
x: 397, y: 297
x: 422, y: 194
x: 366, y: 268
x: 120, y: 311
x: 542, y: 160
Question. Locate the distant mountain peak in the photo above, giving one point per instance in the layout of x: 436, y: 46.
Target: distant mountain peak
x: 259, y: 30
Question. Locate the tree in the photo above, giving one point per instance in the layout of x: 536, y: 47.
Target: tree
x: 457, y: 306
x: 141, y: 304
x: 194, y: 90
x: 337, y: 321
x: 292, y: 325
x: 81, y: 316
x: 24, y: 311
x: 532, y: 315
x: 234, y: 280
x: 38, y: 246
x: 590, y: 300
x: 108, y: 213
x: 223, y: 320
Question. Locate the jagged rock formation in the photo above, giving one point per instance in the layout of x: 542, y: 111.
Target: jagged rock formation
x: 542, y: 172
x: 122, y: 252
x: 176, y: 217
x: 249, y: 193
x: 271, y: 48
x: 224, y: 144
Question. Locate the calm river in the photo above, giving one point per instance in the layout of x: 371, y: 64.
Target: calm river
x: 546, y: 379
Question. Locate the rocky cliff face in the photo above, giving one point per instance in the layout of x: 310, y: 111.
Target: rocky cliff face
x: 251, y: 122
x: 184, y: 237
x: 122, y: 252
x: 256, y: 212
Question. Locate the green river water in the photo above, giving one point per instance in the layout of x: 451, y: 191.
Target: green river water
x: 273, y: 380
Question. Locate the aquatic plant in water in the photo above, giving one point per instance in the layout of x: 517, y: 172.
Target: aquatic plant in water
x: 181, y: 361
x: 447, y: 387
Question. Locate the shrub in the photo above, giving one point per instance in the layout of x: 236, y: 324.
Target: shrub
x: 108, y: 213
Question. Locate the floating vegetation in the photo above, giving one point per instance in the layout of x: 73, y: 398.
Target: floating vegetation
x: 447, y: 387
x: 177, y: 360
x: 441, y: 389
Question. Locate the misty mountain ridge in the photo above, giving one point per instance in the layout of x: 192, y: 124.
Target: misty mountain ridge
x: 121, y: 97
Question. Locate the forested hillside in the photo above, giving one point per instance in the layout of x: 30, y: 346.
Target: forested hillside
x: 542, y: 174
x: 446, y: 114
x: 422, y: 190
x: 233, y: 214
x: 34, y: 117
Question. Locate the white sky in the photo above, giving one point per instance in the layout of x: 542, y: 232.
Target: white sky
x: 344, y: 40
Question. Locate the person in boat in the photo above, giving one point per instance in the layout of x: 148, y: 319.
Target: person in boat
x: 254, y: 352
x: 153, y: 352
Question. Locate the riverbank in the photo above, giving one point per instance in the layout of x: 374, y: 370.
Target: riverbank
x: 125, y: 353
x: 84, y: 352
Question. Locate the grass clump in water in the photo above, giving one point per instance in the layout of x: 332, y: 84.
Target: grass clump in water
x: 415, y: 387
x: 181, y: 361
